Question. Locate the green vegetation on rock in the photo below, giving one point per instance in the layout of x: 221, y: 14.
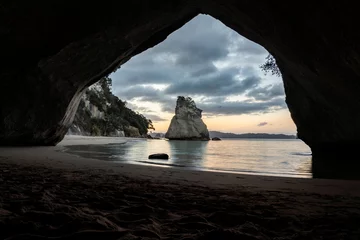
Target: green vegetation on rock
x: 101, y: 113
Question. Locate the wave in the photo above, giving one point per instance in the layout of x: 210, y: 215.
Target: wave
x: 260, y: 173
x: 163, y: 164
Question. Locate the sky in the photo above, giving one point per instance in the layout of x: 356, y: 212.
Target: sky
x: 218, y: 68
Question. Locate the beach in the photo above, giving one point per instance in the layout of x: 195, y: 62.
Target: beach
x: 47, y: 193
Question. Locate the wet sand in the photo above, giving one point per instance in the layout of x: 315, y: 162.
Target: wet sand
x: 46, y: 193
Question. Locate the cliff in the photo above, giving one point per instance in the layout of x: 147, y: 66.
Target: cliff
x: 100, y: 113
x: 187, y: 123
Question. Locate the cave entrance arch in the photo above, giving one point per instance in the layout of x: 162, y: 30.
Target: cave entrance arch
x: 62, y: 54
x: 220, y: 70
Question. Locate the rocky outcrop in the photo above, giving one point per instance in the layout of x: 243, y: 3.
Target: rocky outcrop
x: 101, y: 113
x: 187, y: 123
x: 48, y: 59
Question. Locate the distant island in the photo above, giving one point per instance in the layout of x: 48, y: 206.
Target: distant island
x: 251, y: 135
x: 234, y: 135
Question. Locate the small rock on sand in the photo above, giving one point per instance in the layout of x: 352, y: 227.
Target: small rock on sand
x: 159, y: 156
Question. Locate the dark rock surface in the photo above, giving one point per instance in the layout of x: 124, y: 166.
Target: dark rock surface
x: 159, y: 156
x: 216, y: 139
x: 51, y: 51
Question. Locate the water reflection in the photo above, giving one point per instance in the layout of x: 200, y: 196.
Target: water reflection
x: 188, y: 153
x: 105, y: 152
x: 265, y: 157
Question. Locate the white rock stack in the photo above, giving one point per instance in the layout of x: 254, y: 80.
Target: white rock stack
x: 187, y: 123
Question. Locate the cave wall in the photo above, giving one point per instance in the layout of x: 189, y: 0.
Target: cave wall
x: 317, y: 50
x: 52, y: 51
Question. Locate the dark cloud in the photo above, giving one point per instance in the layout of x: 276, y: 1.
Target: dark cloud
x: 267, y: 92
x: 244, y: 46
x: 189, y: 52
x: 198, y: 53
x: 147, y: 76
x: 206, y: 60
x: 196, y: 44
x: 243, y: 107
x: 248, y: 71
x: 204, y: 71
x: 210, y: 105
x: 154, y: 118
x: 223, y: 83
x: 210, y: 100
x: 148, y: 94
x: 262, y: 124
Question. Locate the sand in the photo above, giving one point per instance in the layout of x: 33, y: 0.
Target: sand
x: 46, y: 193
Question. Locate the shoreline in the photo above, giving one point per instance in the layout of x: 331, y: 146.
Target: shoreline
x: 55, y: 157
x: 103, y: 140
x: 49, y: 193
x: 88, y: 140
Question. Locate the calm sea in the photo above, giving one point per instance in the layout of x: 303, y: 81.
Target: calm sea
x: 291, y: 158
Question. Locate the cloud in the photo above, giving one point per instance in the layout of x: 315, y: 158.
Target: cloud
x: 154, y: 118
x: 145, y: 76
x: 204, y: 71
x: 222, y: 83
x: 242, y: 107
x: 267, y: 92
x: 148, y: 94
x: 130, y: 93
x: 204, y: 60
x: 145, y: 93
x: 244, y: 46
x: 195, y: 44
x: 262, y: 124
x: 190, y: 52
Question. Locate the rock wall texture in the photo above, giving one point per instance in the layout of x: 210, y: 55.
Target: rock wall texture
x: 187, y: 123
x: 51, y: 51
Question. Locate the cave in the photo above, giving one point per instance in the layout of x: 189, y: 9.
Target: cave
x: 51, y: 52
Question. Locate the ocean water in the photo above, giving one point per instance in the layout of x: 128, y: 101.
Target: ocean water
x: 290, y: 158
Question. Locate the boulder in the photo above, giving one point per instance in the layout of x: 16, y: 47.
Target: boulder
x: 216, y: 139
x: 187, y: 123
x: 159, y: 156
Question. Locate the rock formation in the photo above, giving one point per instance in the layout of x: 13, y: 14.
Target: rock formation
x: 101, y: 113
x: 187, y: 123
